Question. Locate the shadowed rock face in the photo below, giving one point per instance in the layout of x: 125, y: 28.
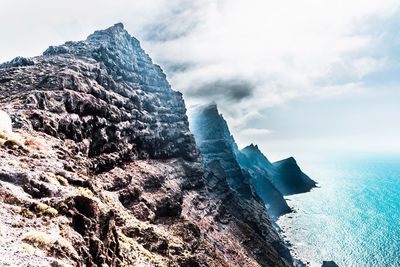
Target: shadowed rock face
x: 246, y: 172
x: 102, y: 169
x: 285, y: 175
x: 252, y: 160
x: 329, y: 264
x: 289, y: 179
x: 216, y: 143
x: 232, y: 183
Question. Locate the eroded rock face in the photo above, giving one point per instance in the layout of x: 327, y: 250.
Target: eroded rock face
x: 251, y: 159
x: 289, y: 178
x: 216, y: 143
x: 103, y: 170
x: 232, y: 183
x: 105, y: 94
x: 285, y: 175
x: 246, y: 171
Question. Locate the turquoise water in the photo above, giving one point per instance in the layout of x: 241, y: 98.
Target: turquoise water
x: 353, y: 218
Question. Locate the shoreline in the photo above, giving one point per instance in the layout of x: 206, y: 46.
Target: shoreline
x: 297, y: 260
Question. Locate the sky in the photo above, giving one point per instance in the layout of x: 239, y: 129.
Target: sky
x: 305, y: 77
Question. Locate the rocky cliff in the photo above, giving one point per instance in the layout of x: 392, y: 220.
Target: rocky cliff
x: 248, y: 171
x: 244, y: 175
x: 289, y: 178
x: 251, y: 159
x: 219, y: 152
x: 102, y: 170
x: 285, y: 175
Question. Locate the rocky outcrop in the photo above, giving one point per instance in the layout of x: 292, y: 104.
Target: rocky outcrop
x: 228, y: 180
x: 103, y: 93
x: 102, y: 170
x: 289, y: 178
x: 248, y: 171
x: 329, y: 264
x: 251, y: 159
x: 245, y: 171
x: 217, y: 144
x: 285, y: 175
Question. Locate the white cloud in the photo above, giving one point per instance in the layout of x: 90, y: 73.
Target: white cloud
x: 255, y: 132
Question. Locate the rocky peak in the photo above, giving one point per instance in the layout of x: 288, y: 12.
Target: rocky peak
x: 289, y: 178
x: 231, y: 183
x: 255, y: 156
x: 217, y: 128
x: 119, y: 53
x: 252, y: 146
x: 103, y: 93
x: 216, y: 143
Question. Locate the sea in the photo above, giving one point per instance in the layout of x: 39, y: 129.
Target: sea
x: 352, y: 218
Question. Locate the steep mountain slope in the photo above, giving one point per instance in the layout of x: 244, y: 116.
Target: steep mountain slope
x: 219, y: 149
x: 245, y: 175
x: 251, y: 159
x: 248, y: 171
x: 102, y: 170
x: 285, y: 174
x: 216, y: 143
x: 289, y: 178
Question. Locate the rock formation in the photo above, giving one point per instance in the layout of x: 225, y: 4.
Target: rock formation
x: 251, y: 159
x: 102, y: 169
x: 248, y: 171
x: 220, y: 153
x: 329, y: 264
x: 289, y: 179
x: 243, y: 174
x: 285, y: 175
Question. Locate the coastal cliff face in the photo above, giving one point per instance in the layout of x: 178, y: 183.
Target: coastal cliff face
x: 220, y: 153
x: 248, y: 171
x: 251, y: 159
x: 289, y: 178
x: 102, y: 170
x: 242, y: 173
x: 285, y: 175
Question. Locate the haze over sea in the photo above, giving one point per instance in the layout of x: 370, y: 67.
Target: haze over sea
x: 353, y: 217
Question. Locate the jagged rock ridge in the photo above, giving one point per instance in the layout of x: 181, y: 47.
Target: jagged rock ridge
x: 220, y: 154
x: 251, y: 159
x: 102, y: 170
x: 248, y: 171
x: 289, y: 178
x: 105, y: 94
x: 244, y: 176
x: 285, y: 174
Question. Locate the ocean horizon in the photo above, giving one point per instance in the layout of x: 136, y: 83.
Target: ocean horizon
x: 352, y: 217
